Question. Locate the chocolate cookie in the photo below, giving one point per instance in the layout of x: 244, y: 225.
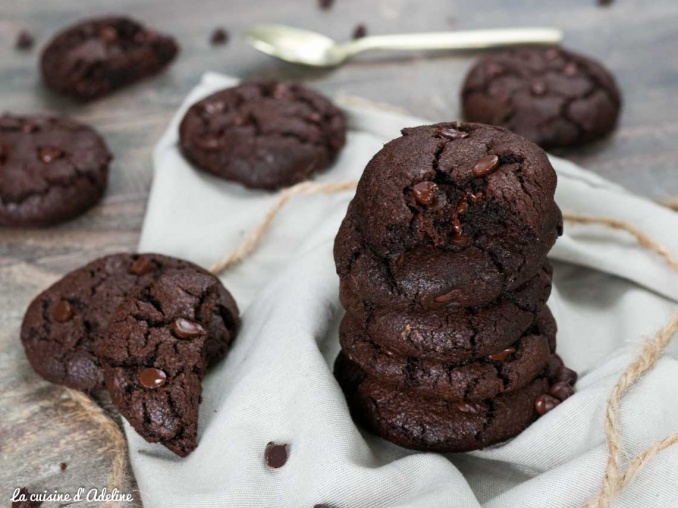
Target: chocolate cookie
x: 435, y: 280
x: 51, y: 169
x: 505, y: 370
x: 64, y: 324
x: 264, y: 135
x: 96, y: 56
x: 159, y: 344
x: 467, y: 205
x: 453, y: 333
x: 435, y: 424
x: 549, y: 95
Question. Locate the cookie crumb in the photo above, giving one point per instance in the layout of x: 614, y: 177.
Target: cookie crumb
x: 24, y: 41
x: 219, y: 37
x: 359, y: 31
x: 63, y: 466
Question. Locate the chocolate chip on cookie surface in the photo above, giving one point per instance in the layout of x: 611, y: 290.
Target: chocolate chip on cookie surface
x: 64, y: 324
x: 551, y: 96
x: 94, y: 57
x: 263, y: 135
x: 159, y: 344
x: 52, y: 169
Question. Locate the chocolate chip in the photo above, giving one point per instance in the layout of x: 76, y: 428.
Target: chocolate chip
x: 461, y: 209
x: 275, y: 455
x: 545, y: 403
x: 604, y: 3
x: 424, y: 192
x: 282, y: 91
x: 63, y: 466
x: 503, y: 355
x: 152, y: 378
x: 456, y: 226
x: 314, y: 118
x: 453, y: 134
x: 538, y: 88
x: 63, y: 311
x: 552, y: 53
x: 561, y: 390
x: 571, y: 70
x: 494, y: 70
x: 108, y: 34
x: 563, y: 374
x: 359, y: 31
x: 475, y: 198
x: 448, y: 297
x: 185, y: 329
x: 219, y: 36
x: 468, y: 408
x: 485, y: 166
x: 325, y: 5
x: 209, y: 142
x: 3, y: 154
x: 49, y: 154
x: 24, y: 40
x: 213, y: 107
x: 29, y: 127
x: 141, y: 266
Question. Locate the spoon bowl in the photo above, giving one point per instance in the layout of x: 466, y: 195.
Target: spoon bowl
x: 296, y: 46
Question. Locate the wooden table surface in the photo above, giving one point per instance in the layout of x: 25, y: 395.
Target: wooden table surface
x: 39, y: 426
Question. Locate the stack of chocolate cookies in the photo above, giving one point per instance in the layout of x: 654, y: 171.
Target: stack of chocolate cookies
x: 447, y: 343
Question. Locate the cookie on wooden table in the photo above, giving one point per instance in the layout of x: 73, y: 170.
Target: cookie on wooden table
x: 159, y: 344
x: 264, y: 135
x: 551, y: 96
x: 52, y: 169
x: 96, y: 56
x: 64, y: 324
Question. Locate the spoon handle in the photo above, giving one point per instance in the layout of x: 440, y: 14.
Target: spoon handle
x: 470, y: 39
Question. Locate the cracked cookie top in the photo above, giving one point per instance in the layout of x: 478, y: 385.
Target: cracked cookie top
x: 64, y: 324
x: 481, y: 197
x: 549, y: 95
x: 94, y: 57
x: 159, y: 344
x: 51, y: 169
x: 264, y: 135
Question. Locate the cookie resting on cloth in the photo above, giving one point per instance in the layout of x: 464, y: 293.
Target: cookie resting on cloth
x: 263, y: 134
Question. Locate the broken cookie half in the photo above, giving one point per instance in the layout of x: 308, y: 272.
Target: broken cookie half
x: 159, y: 345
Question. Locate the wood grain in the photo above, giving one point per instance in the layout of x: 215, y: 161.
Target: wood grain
x: 39, y: 426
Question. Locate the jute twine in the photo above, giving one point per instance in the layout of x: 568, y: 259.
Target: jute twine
x: 614, y: 480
